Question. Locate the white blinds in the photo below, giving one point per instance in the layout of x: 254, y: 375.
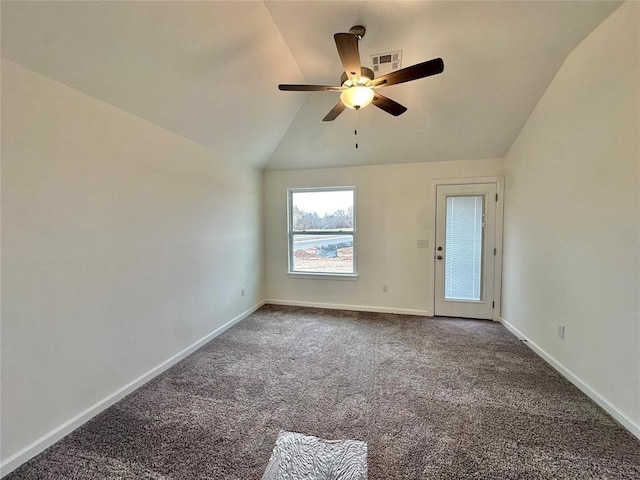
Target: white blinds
x: 463, y: 248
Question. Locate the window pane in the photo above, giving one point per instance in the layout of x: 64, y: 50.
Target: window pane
x: 463, y: 253
x: 328, y: 210
x: 322, y: 230
x: 323, y: 253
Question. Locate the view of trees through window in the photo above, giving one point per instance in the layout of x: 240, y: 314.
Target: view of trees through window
x: 321, y: 225
x: 340, y: 219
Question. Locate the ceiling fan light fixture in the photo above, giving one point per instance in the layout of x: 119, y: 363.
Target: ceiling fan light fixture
x: 357, y: 97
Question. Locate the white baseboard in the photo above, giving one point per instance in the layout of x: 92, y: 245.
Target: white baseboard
x: 44, y: 442
x: 620, y: 417
x: 356, y: 308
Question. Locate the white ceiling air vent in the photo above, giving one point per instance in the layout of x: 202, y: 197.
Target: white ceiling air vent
x: 383, y: 63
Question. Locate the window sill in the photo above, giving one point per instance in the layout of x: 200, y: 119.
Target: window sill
x: 323, y: 276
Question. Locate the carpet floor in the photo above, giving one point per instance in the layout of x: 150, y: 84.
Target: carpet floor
x: 433, y: 398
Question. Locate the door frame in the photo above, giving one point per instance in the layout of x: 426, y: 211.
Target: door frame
x: 497, y: 265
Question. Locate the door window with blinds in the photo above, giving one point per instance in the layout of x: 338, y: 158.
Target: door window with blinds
x: 322, y: 231
x: 463, y: 244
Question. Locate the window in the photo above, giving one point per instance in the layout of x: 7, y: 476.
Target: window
x: 463, y: 244
x: 321, y: 230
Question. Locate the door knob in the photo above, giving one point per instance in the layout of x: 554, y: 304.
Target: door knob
x: 439, y: 249
x: 439, y: 257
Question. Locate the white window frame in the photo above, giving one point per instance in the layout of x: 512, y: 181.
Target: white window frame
x: 290, y: 235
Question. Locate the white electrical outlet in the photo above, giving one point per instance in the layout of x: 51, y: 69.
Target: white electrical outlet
x: 385, y: 288
x: 242, y: 291
x: 561, y: 331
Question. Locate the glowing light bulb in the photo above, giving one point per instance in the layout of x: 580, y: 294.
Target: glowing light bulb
x: 357, y: 97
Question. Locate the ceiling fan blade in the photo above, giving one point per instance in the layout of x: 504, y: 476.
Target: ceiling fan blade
x: 420, y: 70
x: 308, y: 88
x: 335, y: 111
x: 347, y: 45
x: 388, y: 105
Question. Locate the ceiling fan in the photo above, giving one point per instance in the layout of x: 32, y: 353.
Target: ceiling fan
x: 357, y: 83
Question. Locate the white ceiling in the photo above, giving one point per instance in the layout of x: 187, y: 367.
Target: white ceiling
x: 209, y: 70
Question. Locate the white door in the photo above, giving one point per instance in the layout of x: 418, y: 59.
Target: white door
x: 465, y: 250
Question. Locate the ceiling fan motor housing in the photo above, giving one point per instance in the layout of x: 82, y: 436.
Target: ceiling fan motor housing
x: 364, y: 72
x: 358, y: 31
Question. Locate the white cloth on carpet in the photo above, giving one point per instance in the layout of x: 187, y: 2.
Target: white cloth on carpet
x: 297, y: 457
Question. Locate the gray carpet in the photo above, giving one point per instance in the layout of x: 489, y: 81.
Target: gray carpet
x: 433, y: 399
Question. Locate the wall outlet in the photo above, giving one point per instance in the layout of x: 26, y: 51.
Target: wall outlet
x: 242, y: 291
x: 385, y: 288
x: 561, y: 331
x: 423, y: 244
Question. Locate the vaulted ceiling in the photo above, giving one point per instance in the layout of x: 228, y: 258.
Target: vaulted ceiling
x: 209, y: 71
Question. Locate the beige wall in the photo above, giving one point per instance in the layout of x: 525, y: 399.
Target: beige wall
x: 395, y: 207
x: 572, y: 218
x: 122, y: 244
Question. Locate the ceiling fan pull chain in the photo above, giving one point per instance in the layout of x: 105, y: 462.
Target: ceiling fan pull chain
x: 355, y: 130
